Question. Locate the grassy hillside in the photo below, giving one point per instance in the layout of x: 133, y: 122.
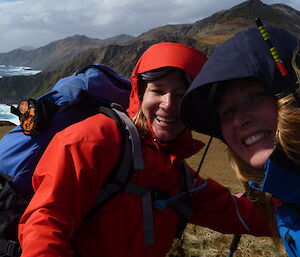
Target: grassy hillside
x: 5, y: 126
x: 198, y: 241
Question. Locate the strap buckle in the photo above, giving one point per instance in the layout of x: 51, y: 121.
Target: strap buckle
x: 13, y: 249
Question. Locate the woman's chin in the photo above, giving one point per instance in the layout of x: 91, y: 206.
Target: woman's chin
x: 259, y: 159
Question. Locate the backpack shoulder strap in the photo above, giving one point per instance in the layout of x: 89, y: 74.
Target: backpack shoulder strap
x: 138, y: 163
x: 161, y: 200
x: 183, y: 205
x: 131, y: 159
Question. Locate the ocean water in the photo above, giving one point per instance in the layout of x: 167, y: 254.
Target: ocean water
x: 6, y: 115
x: 8, y: 71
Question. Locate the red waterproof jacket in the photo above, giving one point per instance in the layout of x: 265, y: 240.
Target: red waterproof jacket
x: 77, y: 161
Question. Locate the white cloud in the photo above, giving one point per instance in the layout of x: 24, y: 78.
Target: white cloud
x: 37, y: 23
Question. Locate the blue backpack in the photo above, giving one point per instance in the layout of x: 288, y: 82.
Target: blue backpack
x: 94, y: 89
x: 71, y: 100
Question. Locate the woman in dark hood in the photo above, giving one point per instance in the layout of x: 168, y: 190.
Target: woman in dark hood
x: 244, y: 98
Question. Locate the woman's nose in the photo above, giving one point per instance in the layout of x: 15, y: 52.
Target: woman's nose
x: 168, y: 101
x: 243, y: 115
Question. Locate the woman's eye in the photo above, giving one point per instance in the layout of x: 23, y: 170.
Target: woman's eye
x: 157, y: 91
x: 225, y: 113
x: 258, y: 95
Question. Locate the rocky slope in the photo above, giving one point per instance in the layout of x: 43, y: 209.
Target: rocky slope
x: 204, y: 34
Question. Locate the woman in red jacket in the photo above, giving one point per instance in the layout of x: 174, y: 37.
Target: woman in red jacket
x: 77, y: 161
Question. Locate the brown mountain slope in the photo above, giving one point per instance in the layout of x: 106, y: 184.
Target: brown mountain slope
x: 57, y: 53
x: 224, y: 24
x: 204, y: 35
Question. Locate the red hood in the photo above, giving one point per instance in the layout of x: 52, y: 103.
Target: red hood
x: 160, y: 55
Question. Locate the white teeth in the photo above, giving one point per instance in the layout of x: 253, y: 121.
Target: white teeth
x: 253, y: 139
x: 163, y: 119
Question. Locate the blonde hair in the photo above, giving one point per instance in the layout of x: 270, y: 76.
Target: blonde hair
x: 141, y: 122
x: 288, y: 127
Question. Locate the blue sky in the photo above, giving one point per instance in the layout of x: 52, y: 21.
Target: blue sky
x: 39, y: 22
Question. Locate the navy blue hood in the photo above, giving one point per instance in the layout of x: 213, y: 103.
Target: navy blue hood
x: 244, y: 55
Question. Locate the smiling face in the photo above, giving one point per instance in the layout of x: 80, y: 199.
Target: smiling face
x: 248, y: 117
x: 160, y: 105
